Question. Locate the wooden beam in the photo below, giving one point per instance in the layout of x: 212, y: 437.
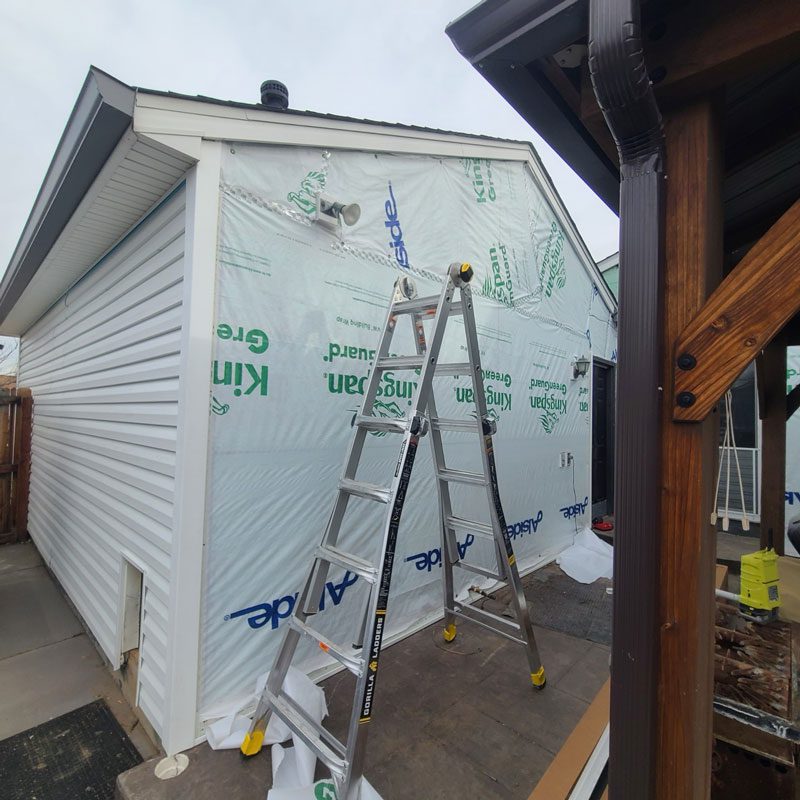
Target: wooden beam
x: 703, y: 46
x: 772, y: 410
x: 692, y: 268
x: 754, y: 302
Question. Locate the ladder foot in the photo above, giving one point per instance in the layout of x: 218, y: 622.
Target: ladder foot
x: 252, y: 743
x: 449, y: 632
x: 538, y: 679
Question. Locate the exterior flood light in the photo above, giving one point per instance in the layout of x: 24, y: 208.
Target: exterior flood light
x: 331, y: 212
x: 580, y: 366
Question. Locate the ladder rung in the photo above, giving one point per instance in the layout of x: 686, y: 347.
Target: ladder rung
x: 354, y: 663
x: 417, y: 304
x: 478, y: 570
x: 401, y: 362
x: 465, y: 425
x: 454, y: 369
x: 330, y: 751
x: 370, y: 423
x: 462, y: 476
x: 485, y: 620
x: 333, y: 555
x: 470, y: 525
x: 367, y: 490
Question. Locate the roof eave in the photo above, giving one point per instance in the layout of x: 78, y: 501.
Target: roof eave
x: 500, y: 38
x: 102, y: 114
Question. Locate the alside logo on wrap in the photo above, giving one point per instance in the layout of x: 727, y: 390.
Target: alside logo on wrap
x: 310, y: 188
x: 245, y: 377
x: 392, y: 224
x: 552, y: 269
x: 497, y: 389
x: 552, y: 406
x: 429, y: 559
x: 574, y: 509
x: 277, y: 610
x: 498, y: 285
x: 390, y: 389
x: 479, y: 171
x: 792, y: 497
x: 530, y: 525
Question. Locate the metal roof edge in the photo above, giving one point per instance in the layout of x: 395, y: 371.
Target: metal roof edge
x: 100, y: 117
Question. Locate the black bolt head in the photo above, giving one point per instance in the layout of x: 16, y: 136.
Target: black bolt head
x: 686, y: 399
x: 687, y: 361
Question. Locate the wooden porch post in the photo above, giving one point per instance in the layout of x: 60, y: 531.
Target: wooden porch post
x: 692, y: 269
x: 772, y: 397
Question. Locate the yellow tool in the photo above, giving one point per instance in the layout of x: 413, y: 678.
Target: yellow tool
x: 759, y: 583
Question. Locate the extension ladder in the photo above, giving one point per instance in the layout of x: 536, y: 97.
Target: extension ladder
x: 345, y: 760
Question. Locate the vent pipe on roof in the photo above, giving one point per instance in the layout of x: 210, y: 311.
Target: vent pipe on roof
x: 625, y: 96
x: 274, y: 96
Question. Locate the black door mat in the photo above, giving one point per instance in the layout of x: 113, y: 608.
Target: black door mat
x: 560, y: 603
x: 74, y: 757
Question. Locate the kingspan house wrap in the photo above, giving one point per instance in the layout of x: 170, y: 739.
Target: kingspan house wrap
x: 196, y: 343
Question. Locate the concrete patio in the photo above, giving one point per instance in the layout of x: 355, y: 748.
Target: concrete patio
x: 451, y: 721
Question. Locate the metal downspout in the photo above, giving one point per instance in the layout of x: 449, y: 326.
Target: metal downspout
x: 625, y: 95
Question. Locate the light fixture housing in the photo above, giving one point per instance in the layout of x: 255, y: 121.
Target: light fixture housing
x: 333, y: 213
x: 580, y: 366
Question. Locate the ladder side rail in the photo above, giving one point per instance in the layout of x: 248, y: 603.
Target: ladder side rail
x: 318, y: 574
x: 509, y: 565
x: 448, y: 542
x: 379, y: 600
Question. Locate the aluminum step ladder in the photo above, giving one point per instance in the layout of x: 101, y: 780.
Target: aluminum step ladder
x: 345, y: 760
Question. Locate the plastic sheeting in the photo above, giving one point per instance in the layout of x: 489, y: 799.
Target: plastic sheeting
x: 299, y: 308
x: 588, y: 559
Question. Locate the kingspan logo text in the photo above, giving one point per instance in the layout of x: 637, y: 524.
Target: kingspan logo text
x: 277, y: 610
x: 392, y: 224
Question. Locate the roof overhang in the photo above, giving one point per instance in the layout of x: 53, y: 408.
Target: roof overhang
x: 101, y: 181
x: 512, y: 44
x: 534, y: 53
x: 101, y: 116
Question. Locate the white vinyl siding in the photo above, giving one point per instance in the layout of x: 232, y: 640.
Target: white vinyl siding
x: 103, y: 366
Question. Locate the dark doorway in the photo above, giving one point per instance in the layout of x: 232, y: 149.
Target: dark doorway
x: 603, y: 403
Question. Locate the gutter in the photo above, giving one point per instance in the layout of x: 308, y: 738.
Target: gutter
x: 626, y: 98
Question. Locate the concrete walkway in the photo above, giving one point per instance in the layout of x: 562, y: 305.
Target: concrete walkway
x: 48, y: 665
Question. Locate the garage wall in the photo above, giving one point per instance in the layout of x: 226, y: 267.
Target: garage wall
x: 103, y: 366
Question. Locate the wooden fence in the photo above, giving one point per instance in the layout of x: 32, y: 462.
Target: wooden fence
x: 16, y: 413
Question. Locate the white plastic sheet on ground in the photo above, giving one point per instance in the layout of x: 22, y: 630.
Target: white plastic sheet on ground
x: 293, y: 767
x: 588, y: 559
x: 298, y: 312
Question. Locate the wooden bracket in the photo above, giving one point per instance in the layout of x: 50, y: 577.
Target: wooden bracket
x: 739, y: 320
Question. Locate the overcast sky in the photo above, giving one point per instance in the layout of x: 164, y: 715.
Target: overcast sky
x: 383, y: 61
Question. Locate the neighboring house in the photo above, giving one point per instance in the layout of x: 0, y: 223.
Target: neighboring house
x: 196, y: 341
x: 609, y: 267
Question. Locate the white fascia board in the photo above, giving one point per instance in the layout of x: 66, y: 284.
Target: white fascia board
x: 565, y: 220
x: 191, y: 467
x: 157, y: 116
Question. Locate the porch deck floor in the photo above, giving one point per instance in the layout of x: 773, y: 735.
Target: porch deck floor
x: 450, y: 721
